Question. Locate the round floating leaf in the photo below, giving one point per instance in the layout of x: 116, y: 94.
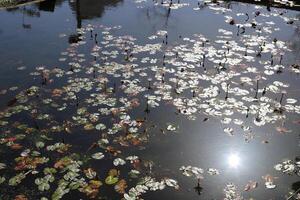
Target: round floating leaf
x: 110, y: 180
x: 98, y: 156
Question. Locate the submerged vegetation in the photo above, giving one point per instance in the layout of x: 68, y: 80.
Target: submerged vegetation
x: 107, y: 88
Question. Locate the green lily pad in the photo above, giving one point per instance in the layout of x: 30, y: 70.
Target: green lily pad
x: 110, y: 180
x: 39, y: 144
x: 2, y: 179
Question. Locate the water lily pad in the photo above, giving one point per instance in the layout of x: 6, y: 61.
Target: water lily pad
x: 98, y: 156
x: 110, y: 180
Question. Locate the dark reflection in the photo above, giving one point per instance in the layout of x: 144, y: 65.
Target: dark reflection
x: 74, y: 38
x: 270, y: 4
x: 30, y: 10
x: 296, y: 186
x: 83, y: 9
x: 164, y: 13
x: 89, y: 9
x: 33, y: 10
x: 78, y: 14
x: 48, y: 5
x: 198, y: 189
x: 295, y: 39
x: 30, y: 13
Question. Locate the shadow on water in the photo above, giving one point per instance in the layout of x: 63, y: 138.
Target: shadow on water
x: 83, y: 9
x: 89, y: 9
x: 48, y: 5
x: 269, y: 4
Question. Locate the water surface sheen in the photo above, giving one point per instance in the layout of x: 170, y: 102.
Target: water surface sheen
x: 191, y: 118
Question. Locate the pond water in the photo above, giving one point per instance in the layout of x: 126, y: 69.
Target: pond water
x: 142, y: 99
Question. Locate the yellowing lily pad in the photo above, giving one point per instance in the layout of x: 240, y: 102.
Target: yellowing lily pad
x: 110, y: 180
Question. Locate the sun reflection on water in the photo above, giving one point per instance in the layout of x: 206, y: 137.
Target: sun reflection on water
x: 233, y: 160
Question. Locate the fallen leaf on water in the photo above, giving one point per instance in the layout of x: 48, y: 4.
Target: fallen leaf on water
x: 57, y: 92
x: 269, y: 181
x: 121, y: 186
x: 250, y: 185
x: 283, y: 130
x: 92, y: 189
x: 16, y: 146
x: 21, y: 197
x: 90, y: 173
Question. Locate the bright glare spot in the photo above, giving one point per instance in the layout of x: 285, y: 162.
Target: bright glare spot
x: 233, y: 160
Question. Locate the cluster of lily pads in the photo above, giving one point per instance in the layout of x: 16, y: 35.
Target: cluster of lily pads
x: 94, y: 96
x: 289, y: 167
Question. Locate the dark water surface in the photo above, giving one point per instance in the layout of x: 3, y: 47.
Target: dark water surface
x: 36, y: 35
